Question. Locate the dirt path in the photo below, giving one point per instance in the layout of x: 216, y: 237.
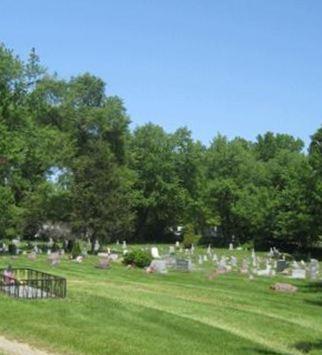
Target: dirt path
x: 13, y: 347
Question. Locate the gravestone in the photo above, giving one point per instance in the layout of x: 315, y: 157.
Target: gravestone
x: 171, y: 249
x: 200, y: 260
x: 96, y: 246
x: 233, y: 261
x: 205, y: 258
x: 244, y: 267
x: 314, y: 269
x: 155, y: 253
x: 177, y: 244
x: 113, y: 257
x: 54, y: 259
x: 231, y: 246
x: 209, y: 250
x: 50, y: 243
x: 159, y: 266
x: 298, y: 273
x: 281, y: 265
x: 124, y: 244
x: 104, y: 263
x: 183, y: 265
x: 103, y: 255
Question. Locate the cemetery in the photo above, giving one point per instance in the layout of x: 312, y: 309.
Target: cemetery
x: 239, y: 301
x: 160, y: 177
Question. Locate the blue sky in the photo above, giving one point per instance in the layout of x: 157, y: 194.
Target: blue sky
x: 238, y: 67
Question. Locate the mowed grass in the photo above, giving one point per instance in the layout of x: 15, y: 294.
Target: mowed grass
x: 122, y: 311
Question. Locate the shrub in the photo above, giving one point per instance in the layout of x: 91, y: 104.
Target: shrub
x: 138, y: 257
x: 76, y: 251
x: 190, y: 237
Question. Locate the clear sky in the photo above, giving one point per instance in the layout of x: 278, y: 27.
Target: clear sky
x: 238, y: 67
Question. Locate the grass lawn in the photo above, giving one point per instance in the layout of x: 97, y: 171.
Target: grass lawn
x: 121, y: 311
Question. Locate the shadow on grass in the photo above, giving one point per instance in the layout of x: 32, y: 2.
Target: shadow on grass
x: 314, y: 303
x: 312, y: 287
x: 306, y: 347
x: 260, y: 351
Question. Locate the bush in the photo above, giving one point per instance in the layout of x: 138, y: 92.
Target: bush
x: 138, y: 257
x: 76, y: 251
x: 190, y: 237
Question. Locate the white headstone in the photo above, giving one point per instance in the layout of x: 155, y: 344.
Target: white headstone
x: 314, y: 269
x: 231, y: 246
x: 298, y: 274
x: 96, y: 246
x: 171, y: 249
x: 155, y: 253
x: 159, y: 266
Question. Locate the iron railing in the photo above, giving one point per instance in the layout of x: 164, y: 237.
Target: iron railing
x: 30, y: 283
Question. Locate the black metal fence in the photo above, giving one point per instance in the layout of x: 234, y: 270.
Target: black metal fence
x: 29, y: 283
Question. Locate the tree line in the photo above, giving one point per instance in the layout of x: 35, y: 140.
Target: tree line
x: 69, y: 158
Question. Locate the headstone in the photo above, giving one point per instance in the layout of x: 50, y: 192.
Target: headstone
x: 209, y: 250
x: 171, y: 249
x: 233, y: 261
x: 104, y: 263
x: 231, y: 246
x: 54, y: 259
x: 205, y: 258
x: 283, y: 287
x: 266, y: 272
x: 117, y: 242
x: 124, y: 244
x: 222, y: 265
x: 183, y: 265
x: 314, y: 269
x: 192, y: 249
x: 281, y: 265
x: 103, y: 255
x: 113, y: 257
x: 298, y: 273
x: 244, y: 267
x: 50, y: 243
x: 200, y: 260
x: 159, y: 266
x: 177, y: 244
x: 79, y: 259
x: 215, y: 258
x: 96, y: 246
x: 155, y: 253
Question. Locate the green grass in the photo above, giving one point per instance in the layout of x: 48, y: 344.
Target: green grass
x: 125, y: 311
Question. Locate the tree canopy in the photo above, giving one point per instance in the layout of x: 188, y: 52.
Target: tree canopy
x: 68, y: 155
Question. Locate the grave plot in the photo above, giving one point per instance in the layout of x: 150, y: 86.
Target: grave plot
x: 31, y: 284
